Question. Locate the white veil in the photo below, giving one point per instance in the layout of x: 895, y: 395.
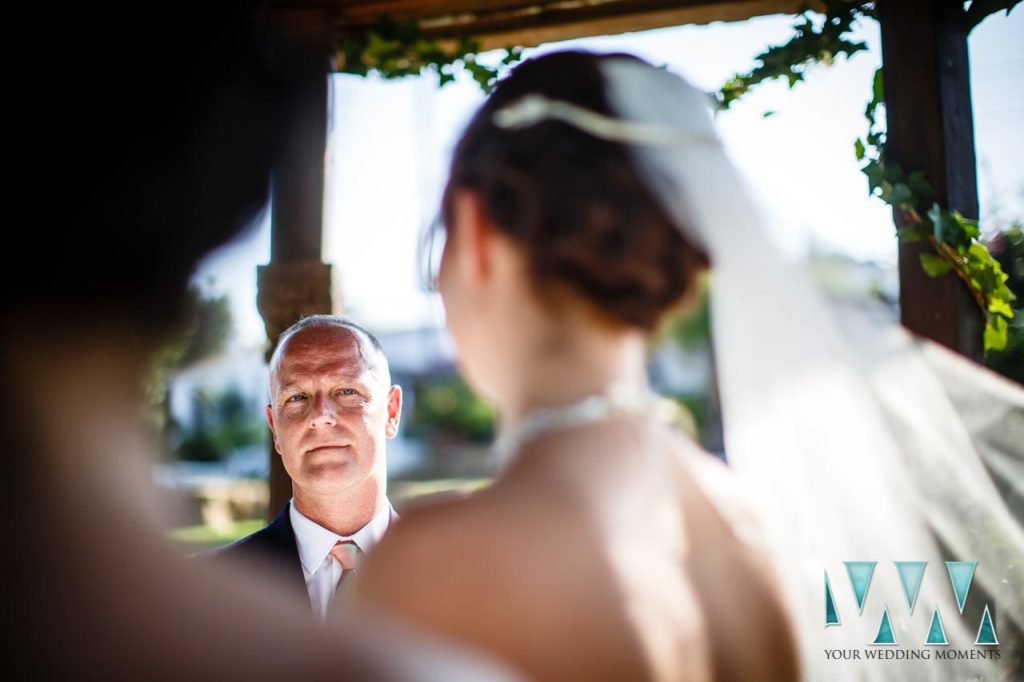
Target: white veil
x: 862, y: 445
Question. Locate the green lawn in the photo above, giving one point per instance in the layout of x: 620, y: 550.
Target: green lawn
x: 200, y: 538
x: 194, y: 539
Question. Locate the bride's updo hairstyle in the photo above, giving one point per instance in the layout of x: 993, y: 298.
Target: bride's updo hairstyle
x: 572, y: 201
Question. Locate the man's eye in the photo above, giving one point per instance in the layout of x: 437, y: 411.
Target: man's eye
x: 347, y: 391
x: 295, y: 398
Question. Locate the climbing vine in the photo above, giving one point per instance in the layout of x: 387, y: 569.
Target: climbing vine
x: 396, y: 49
x: 811, y: 44
x: 954, y: 240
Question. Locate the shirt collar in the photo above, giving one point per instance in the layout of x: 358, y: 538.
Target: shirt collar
x: 315, y: 542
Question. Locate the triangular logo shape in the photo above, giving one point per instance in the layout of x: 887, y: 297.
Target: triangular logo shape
x: 936, y: 633
x: 860, y: 573
x: 986, y: 631
x: 911, y: 575
x: 831, y: 614
x: 885, y: 634
x: 961, y: 574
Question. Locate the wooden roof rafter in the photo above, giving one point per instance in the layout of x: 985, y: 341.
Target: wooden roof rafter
x: 526, y: 23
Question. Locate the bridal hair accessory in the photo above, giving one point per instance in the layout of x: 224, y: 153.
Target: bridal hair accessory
x: 616, y: 401
x: 532, y: 109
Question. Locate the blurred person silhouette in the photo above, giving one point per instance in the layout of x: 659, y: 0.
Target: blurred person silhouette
x: 584, y: 199
x: 332, y: 409
x: 152, y: 140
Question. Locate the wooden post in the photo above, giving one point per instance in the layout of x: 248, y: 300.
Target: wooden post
x: 930, y: 128
x: 297, y: 283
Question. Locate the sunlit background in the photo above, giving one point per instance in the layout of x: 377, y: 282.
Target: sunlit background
x: 387, y: 156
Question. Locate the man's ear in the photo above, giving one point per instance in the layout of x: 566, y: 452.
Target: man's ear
x: 273, y: 431
x: 473, y: 232
x: 394, y: 411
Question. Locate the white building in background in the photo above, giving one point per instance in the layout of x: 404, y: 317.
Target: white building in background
x: 241, y: 369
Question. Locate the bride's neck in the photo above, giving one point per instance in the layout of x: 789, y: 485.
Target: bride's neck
x: 567, y: 362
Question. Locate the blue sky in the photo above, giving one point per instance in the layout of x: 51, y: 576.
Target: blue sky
x: 390, y: 141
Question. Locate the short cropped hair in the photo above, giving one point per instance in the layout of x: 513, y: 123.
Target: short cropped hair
x: 328, y: 322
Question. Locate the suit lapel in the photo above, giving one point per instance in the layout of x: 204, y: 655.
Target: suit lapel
x: 282, y: 535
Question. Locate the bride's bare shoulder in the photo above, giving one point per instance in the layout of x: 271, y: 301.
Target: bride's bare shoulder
x: 442, y: 560
x: 730, y: 495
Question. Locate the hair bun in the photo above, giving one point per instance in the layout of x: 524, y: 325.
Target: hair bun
x: 574, y: 202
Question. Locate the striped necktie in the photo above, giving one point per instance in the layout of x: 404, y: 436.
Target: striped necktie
x: 348, y: 555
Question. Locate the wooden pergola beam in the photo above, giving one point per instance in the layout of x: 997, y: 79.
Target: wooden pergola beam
x: 297, y: 282
x: 526, y: 23
x: 930, y: 128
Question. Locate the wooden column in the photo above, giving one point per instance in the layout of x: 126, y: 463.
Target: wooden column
x: 930, y: 128
x: 297, y: 282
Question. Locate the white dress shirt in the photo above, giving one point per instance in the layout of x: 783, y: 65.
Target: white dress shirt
x: 321, y: 571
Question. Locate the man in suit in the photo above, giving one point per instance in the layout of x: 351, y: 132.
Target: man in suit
x: 332, y: 409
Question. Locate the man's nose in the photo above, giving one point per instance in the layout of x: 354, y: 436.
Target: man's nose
x: 323, y: 412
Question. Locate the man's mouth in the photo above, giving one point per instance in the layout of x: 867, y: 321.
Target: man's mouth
x: 326, y: 446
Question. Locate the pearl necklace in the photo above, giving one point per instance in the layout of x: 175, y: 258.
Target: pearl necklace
x: 616, y: 401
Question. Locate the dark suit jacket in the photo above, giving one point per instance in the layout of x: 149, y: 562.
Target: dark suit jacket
x: 274, y: 548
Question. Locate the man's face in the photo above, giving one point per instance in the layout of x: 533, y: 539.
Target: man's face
x: 332, y: 410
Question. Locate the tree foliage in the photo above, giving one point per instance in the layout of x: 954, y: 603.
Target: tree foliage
x: 208, y: 327
x: 446, y: 404
x: 223, y: 422
x: 204, y: 333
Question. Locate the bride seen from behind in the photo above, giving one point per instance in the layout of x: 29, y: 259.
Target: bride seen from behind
x: 611, y: 546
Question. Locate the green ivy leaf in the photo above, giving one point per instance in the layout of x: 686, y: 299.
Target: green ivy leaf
x: 875, y: 172
x: 978, y: 254
x: 885, y: 191
x: 909, y: 235
x: 935, y: 266
x: 877, y: 98
x: 858, y: 149
x: 969, y: 227
x: 893, y: 173
x: 988, y: 277
x: 878, y: 87
x: 1003, y: 291
x: 995, y: 333
x: 901, y: 195
x: 998, y: 306
x: 512, y: 55
x: 920, y: 186
x: 946, y: 228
